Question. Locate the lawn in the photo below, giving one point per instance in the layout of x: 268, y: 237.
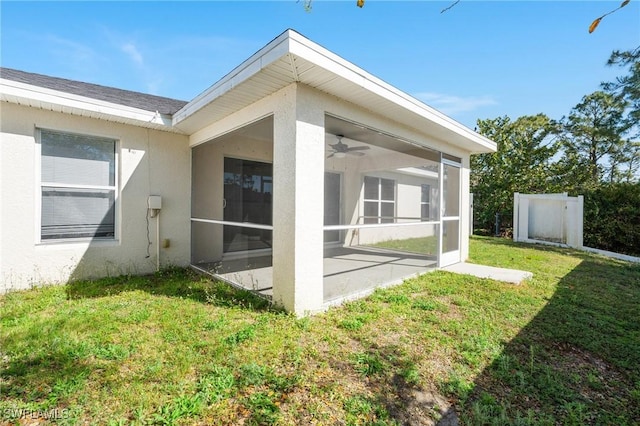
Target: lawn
x: 422, y: 245
x: 178, y: 348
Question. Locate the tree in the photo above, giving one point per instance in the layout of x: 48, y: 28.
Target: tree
x: 593, y: 136
x: 522, y: 163
x: 612, y: 218
x: 626, y: 163
x: 627, y: 86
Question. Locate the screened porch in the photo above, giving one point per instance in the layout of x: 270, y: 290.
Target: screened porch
x: 391, y: 208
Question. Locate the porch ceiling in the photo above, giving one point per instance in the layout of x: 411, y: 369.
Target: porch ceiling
x: 292, y: 58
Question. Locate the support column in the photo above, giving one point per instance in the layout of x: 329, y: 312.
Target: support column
x: 298, y: 213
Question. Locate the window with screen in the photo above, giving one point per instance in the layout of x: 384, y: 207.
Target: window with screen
x: 425, y: 202
x: 78, y: 186
x: 379, y: 200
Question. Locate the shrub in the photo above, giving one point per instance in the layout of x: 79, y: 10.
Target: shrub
x: 612, y: 218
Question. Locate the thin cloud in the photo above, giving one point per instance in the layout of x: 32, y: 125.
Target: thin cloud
x: 451, y: 104
x: 157, y: 68
x: 143, y: 73
x: 70, y: 50
x: 70, y: 58
x: 134, y: 54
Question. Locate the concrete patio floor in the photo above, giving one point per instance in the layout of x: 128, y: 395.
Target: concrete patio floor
x: 356, y: 271
x: 352, y: 272
x: 348, y: 272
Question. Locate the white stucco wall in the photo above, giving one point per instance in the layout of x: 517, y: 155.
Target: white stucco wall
x: 149, y: 163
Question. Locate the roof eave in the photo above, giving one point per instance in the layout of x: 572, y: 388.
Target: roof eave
x: 317, y: 54
x: 53, y: 100
x: 296, y: 46
x: 243, y: 72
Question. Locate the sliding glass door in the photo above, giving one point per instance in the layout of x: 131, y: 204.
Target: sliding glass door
x: 248, y: 198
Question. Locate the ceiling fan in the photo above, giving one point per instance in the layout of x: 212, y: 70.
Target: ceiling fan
x: 340, y: 149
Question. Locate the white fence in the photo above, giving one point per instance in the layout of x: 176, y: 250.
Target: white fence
x: 548, y: 218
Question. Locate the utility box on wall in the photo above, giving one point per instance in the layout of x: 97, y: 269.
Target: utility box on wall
x: 155, y: 202
x: 548, y: 218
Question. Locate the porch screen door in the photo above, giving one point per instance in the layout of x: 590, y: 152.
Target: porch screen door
x: 450, y: 227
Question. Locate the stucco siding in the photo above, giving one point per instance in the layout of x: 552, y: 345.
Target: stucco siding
x: 149, y: 162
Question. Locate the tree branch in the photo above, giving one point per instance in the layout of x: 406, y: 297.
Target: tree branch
x: 450, y: 6
x: 596, y: 22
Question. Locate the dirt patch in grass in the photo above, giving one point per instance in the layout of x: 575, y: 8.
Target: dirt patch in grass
x: 594, y: 379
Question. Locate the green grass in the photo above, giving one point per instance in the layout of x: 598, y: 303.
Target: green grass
x: 178, y: 348
x: 422, y: 245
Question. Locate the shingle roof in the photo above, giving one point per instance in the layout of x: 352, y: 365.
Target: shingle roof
x: 104, y: 93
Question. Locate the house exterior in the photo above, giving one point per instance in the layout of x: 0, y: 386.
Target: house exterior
x: 298, y: 174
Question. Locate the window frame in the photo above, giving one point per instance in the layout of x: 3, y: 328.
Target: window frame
x: 40, y: 184
x: 379, y: 201
x: 424, y: 203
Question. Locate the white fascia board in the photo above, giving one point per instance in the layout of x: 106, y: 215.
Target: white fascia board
x: 291, y: 43
x: 27, y: 94
x: 273, y: 51
x: 306, y: 49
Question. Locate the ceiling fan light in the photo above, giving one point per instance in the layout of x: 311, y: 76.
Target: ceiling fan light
x: 339, y: 155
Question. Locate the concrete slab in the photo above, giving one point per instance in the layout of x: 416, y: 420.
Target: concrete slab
x: 354, y: 272
x: 348, y: 272
x: 513, y: 276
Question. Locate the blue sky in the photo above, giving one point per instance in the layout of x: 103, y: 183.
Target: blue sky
x: 478, y: 60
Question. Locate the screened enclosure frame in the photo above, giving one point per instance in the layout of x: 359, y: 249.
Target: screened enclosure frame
x: 430, y: 207
x: 232, y: 189
x: 385, y: 235
x: 389, y: 173
x: 382, y: 220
